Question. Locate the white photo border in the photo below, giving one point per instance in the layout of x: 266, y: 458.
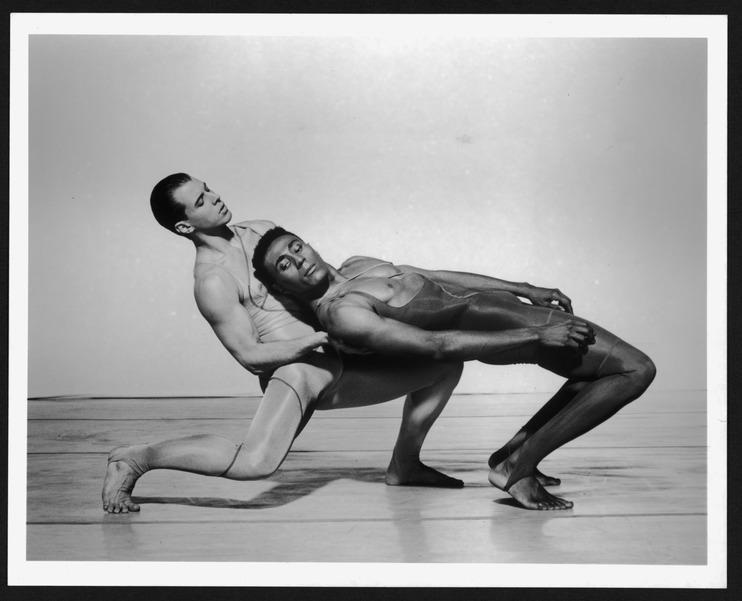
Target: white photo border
x: 712, y: 575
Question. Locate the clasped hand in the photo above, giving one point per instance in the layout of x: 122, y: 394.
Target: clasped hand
x: 549, y: 297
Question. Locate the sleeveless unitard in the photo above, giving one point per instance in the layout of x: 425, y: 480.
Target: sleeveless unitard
x: 274, y: 318
x: 434, y: 307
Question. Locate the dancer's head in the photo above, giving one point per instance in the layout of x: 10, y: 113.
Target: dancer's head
x: 184, y: 205
x: 287, y: 264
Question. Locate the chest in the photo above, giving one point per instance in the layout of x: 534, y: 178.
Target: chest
x: 396, y: 290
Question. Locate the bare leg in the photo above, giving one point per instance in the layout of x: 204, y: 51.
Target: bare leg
x: 269, y: 438
x: 563, y: 396
x: 421, y: 409
x: 615, y: 374
x: 596, y: 402
x: 373, y: 381
x: 288, y: 399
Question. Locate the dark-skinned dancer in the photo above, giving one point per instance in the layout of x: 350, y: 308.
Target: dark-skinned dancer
x: 394, y: 311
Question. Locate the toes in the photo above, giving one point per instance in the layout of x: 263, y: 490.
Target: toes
x: 563, y: 503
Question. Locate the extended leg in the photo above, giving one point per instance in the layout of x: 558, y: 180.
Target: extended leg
x: 270, y: 435
x: 282, y: 413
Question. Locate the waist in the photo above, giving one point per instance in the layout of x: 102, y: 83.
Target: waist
x: 432, y: 308
x: 273, y: 326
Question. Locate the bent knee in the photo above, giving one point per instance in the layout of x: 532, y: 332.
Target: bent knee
x: 253, y: 465
x: 642, y: 371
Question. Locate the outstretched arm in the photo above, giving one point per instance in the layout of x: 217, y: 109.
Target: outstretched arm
x: 218, y: 300
x: 354, y: 323
x: 538, y: 296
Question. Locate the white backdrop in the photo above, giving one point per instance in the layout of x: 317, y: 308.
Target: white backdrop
x: 577, y: 163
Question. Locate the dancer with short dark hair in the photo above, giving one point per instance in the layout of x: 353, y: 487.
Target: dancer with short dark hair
x: 403, y: 313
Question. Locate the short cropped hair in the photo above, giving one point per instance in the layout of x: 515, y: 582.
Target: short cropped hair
x: 258, y: 255
x: 165, y: 208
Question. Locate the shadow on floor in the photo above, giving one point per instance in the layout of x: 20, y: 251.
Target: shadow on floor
x: 292, y: 485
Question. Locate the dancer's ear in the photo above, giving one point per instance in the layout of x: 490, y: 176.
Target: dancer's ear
x: 184, y: 228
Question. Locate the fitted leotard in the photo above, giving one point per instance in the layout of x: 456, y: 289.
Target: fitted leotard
x: 436, y: 307
x: 432, y: 307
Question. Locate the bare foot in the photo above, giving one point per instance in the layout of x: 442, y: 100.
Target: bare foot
x: 419, y: 474
x: 502, y: 454
x: 527, y: 491
x: 545, y: 480
x: 118, y: 484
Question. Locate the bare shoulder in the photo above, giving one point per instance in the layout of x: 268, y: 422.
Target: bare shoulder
x: 346, y: 313
x: 214, y: 289
x: 360, y: 266
x: 260, y: 226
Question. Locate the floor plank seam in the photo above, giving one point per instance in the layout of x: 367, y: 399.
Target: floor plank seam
x: 108, y: 520
x: 385, y: 450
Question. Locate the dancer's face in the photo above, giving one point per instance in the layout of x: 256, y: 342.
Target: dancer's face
x: 295, y: 267
x: 204, y: 208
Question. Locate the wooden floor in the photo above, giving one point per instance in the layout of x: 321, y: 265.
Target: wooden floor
x: 638, y: 483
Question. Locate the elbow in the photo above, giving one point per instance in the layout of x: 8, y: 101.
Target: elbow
x: 251, y: 364
x: 254, y: 369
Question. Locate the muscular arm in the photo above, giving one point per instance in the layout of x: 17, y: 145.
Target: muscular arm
x: 471, y: 281
x: 218, y: 300
x: 482, y: 283
x: 354, y: 323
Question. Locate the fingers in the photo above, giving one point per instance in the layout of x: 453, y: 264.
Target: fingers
x: 581, y: 333
x: 563, y: 302
x: 566, y: 304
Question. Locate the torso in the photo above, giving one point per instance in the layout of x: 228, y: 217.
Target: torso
x: 407, y: 297
x: 274, y: 318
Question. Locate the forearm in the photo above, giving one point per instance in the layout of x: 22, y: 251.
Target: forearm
x: 264, y: 357
x: 465, y: 346
x: 445, y: 345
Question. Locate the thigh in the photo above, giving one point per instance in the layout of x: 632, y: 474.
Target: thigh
x: 368, y: 380
x: 289, y: 397
x: 309, y: 377
x: 497, y: 311
x: 607, y: 356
